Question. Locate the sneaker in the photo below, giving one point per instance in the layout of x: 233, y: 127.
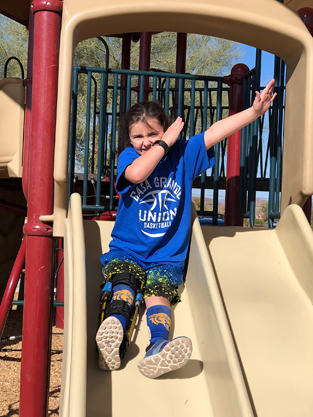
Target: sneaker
x: 109, y: 338
x: 165, y: 356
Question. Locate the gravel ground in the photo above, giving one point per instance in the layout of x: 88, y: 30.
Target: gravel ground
x: 10, y: 368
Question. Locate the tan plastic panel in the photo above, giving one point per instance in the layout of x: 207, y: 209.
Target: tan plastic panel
x: 265, y: 24
x: 12, y: 98
x: 266, y: 280
x: 211, y: 384
x: 75, y: 326
x: 298, y: 4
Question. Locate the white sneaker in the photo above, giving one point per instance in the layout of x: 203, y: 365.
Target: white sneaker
x: 165, y: 356
x: 109, y: 338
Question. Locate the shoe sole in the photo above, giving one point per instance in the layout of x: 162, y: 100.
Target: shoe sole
x: 109, y: 338
x: 174, y: 356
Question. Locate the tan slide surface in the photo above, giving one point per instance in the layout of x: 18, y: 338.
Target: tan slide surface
x: 267, y: 284
x: 212, y: 383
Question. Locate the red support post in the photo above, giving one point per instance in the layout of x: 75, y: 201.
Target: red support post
x: 144, y: 60
x: 37, y: 319
x: 180, y: 63
x: 125, y: 64
x: 306, y: 15
x: 234, y: 80
x: 8, y: 295
x: 28, y: 107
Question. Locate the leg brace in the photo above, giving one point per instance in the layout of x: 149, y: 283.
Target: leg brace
x: 122, y: 273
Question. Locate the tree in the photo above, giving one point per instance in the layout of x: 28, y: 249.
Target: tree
x: 205, y: 55
x: 13, y: 42
x: 264, y: 211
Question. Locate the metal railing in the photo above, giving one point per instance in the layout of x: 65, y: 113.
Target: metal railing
x: 101, y: 97
x: 6, y: 65
x: 261, y: 147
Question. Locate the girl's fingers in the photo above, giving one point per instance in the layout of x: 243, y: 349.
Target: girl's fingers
x: 178, y: 122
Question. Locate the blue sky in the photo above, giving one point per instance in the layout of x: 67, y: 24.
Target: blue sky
x: 267, y: 62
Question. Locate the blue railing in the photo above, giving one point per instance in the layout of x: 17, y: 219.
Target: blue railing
x: 101, y: 97
x: 261, y: 147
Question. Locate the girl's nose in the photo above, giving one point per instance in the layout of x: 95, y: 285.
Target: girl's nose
x: 147, y: 141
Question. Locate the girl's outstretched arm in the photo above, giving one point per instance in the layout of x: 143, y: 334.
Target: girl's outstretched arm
x: 226, y: 127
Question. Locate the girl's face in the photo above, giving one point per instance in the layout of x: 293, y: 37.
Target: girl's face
x: 142, y: 137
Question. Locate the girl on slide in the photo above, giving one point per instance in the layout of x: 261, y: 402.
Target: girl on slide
x: 150, y: 237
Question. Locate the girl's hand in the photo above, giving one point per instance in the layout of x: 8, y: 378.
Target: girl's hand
x: 263, y: 101
x: 172, y: 133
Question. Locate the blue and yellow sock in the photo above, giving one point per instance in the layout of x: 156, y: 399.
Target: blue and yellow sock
x: 125, y: 293
x: 158, y: 322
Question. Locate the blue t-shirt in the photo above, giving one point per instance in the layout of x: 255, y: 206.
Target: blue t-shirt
x: 154, y: 217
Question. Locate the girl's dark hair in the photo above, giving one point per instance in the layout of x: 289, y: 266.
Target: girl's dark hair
x: 141, y: 112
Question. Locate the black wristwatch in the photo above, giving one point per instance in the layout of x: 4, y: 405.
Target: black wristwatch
x: 163, y: 144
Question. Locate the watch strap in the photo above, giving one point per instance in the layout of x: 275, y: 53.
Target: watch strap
x: 164, y: 145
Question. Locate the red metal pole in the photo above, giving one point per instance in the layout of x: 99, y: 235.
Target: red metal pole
x: 306, y: 15
x: 28, y: 108
x: 126, y: 45
x: 144, y: 59
x: 37, y: 319
x: 125, y: 64
x: 180, y: 63
x: 11, y: 286
x: 232, y: 216
x: 181, y: 53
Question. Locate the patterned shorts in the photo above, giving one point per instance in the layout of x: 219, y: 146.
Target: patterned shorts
x: 161, y: 280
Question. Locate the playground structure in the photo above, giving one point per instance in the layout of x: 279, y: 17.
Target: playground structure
x: 227, y: 374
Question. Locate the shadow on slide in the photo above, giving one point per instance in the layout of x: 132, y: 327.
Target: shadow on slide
x: 216, y: 381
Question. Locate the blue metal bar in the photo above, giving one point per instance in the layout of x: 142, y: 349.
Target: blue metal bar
x: 101, y: 141
x: 94, y: 125
x: 154, y: 88
x: 217, y: 156
x: 5, y: 69
x: 107, y: 53
x: 253, y: 148
x: 204, y: 128
x: 280, y: 134
x: 73, y: 133
x: 128, y: 92
x: 192, y: 108
x: 113, y: 137
x: 142, y: 88
x: 87, y: 134
x: 180, y: 99
x: 147, y: 73
x: 21, y: 303
x: 276, y: 142
x: 167, y: 90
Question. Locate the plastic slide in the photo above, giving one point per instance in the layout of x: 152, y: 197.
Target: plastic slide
x: 247, y: 306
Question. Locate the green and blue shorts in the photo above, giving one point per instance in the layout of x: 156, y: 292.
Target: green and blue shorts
x: 161, y: 280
